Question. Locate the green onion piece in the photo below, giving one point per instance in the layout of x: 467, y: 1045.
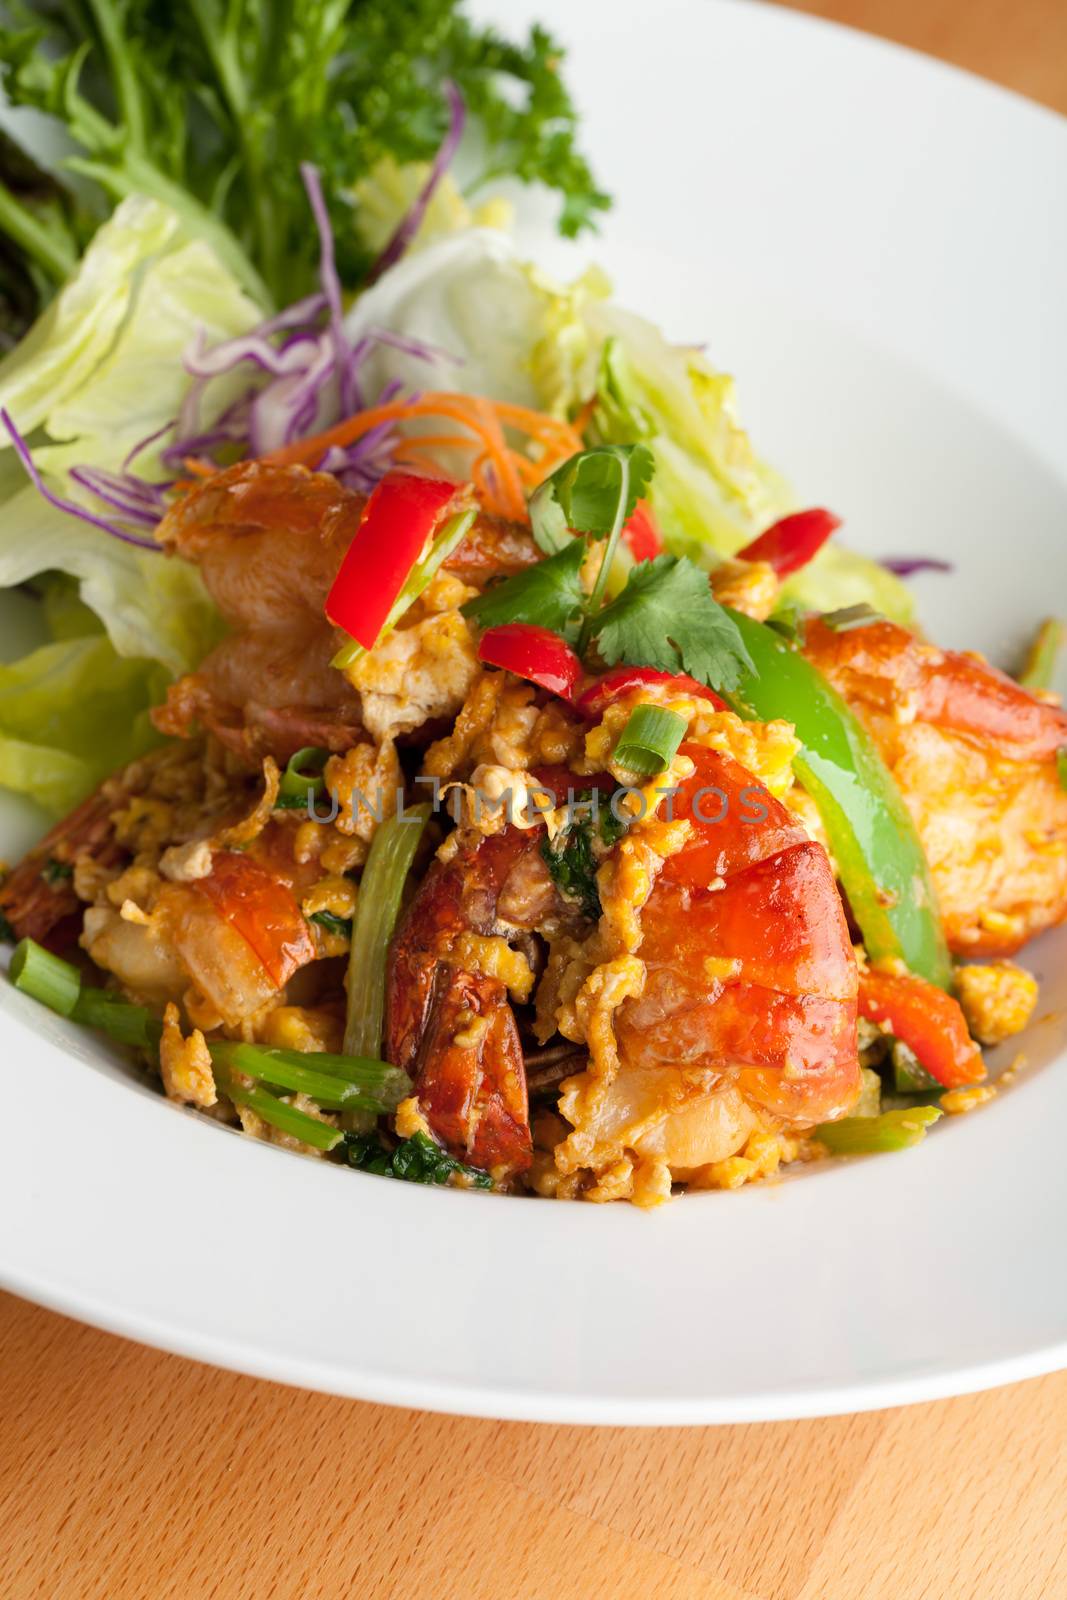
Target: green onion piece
x: 864, y: 1136
x: 849, y: 617
x: 649, y: 740
x: 909, y: 1074
x: 388, y: 863
x: 275, y: 1112
x: 45, y: 977
x: 125, y: 1023
x: 302, y: 778
x: 1061, y: 765
x: 1044, y: 654
x: 7, y: 932
x: 336, y: 1082
x: 441, y: 547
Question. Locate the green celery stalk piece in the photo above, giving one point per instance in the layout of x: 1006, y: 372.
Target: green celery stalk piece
x: 866, y: 1136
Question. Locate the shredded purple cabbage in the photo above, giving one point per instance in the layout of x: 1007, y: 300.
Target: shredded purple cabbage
x: 906, y: 566
x: 303, y: 374
x: 138, y: 500
x: 409, y: 226
x: 69, y: 506
x: 331, y: 286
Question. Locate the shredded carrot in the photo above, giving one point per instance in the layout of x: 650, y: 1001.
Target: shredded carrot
x: 198, y: 467
x: 501, y: 473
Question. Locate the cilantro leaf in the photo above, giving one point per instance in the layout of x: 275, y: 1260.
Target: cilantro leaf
x: 666, y: 618
x: 549, y: 593
x: 583, y: 495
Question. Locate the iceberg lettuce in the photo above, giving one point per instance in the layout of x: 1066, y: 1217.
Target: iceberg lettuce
x: 70, y: 713
x: 510, y: 332
x: 98, y: 372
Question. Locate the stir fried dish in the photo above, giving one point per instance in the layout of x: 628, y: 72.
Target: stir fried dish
x: 472, y: 767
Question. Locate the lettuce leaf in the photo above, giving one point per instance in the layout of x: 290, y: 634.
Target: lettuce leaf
x: 99, y: 371
x: 71, y: 337
x: 70, y: 713
x: 153, y: 606
x: 509, y: 331
x: 711, y: 493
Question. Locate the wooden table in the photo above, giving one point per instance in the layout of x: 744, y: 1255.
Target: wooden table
x: 128, y: 1475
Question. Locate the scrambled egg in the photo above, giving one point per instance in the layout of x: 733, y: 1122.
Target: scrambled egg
x: 185, y: 1064
x: 415, y: 674
x: 750, y: 587
x: 494, y: 726
x: 365, y: 782
x: 302, y: 1028
x: 997, y: 999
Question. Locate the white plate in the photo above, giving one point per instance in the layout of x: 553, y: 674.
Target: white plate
x: 875, y: 244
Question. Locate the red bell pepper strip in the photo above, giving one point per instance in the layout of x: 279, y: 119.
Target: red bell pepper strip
x: 534, y: 653
x: 591, y: 704
x: 404, y: 511
x: 928, y: 1021
x: 790, y: 543
x: 642, y: 534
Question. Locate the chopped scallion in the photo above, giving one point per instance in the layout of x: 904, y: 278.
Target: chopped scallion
x: 356, y: 1085
x: 287, y: 1119
x: 388, y: 863
x: 37, y: 972
x: 125, y: 1023
x: 649, y: 740
x: 302, y: 779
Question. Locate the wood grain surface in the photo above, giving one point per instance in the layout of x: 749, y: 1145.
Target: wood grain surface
x: 129, y: 1475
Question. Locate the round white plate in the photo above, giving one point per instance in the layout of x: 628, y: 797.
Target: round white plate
x: 874, y: 244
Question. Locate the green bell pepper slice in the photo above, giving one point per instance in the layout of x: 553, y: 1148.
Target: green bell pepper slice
x: 879, y: 858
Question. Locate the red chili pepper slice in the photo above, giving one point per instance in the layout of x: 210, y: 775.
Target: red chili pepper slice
x: 642, y: 533
x: 608, y: 687
x: 532, y: 652
x: 928, y: 1021
x: 401, y: 514
x: 790, y: 543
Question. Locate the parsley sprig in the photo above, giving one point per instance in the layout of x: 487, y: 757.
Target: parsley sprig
x: 664, y: 617
x: 211, y: 105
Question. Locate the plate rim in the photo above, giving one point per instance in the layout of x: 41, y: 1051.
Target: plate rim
x: 504, y: 1402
